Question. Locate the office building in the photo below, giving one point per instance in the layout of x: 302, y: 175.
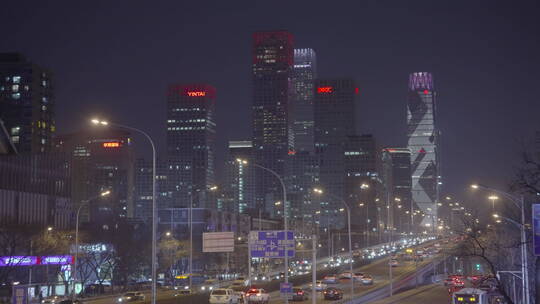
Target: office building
x: 271, y: 75
x: 362, y: 167
x: 191, y: 130
x: 397, y: 178
x: 102, y: 159
x: 334, y: 113
x: 239, y: 179
x: 423, y: 138
x: 27, y: 104
x: 304, y: 74
x: 144, y: 188
x: 35, y: 190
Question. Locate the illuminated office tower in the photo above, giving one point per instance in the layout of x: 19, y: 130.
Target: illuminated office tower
x: 190, y: 144
x: 422, y: 142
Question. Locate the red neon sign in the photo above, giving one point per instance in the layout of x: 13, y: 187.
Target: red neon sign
x: 356, y: 91
x: 325, y: 90
x: 196, y: 93
x: 111, y: 145
x: 426, y: 92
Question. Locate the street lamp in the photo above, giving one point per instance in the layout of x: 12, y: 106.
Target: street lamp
x: 524, y: 258
x: 99, y: 122
x: 76, y: 258
x: 493, y: 198
x: 320, y: 192
x: 285, y: 220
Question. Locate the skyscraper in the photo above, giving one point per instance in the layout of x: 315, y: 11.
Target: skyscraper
x: 144, y: 186
x: 334, y: 107
x: 397, y: 177
x: 422, y: 141
x: 272, y: 73
x: 190, y: 143
x: 27, y: 103
x: 304, y: 74
x: 239, y: 182
x: 362, y: 166
x: 101, y: 159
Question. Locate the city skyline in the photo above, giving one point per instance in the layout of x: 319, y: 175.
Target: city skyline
x: 468, y: 86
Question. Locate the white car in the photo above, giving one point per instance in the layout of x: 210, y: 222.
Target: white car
x: 223, y: 296
x: 319, y: 286
x: 257, y: 296
x: 367, y: 280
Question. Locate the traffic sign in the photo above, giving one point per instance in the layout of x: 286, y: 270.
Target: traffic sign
x: 285, y: 289
x: 218, y: 241
x: 271, y: 244
x: 536, y: 228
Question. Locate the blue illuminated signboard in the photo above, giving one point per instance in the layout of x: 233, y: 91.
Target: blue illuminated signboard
x: 271, y: 244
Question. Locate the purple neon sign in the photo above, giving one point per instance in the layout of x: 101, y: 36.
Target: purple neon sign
x: 34, y: 260
x: 56, y: 260
x: 18, y: 260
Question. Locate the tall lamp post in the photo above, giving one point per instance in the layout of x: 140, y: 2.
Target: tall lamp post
x: 524, y: 258
x: 104, y: 123
x: 76, y: 258
x: 285, y: 220
x: 320, y: 191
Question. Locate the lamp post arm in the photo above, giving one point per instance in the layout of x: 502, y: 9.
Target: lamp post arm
x: 509, y: 196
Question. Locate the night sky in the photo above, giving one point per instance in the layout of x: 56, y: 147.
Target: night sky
x: 116, y: 58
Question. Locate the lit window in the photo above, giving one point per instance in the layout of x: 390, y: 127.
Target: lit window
x: 15, y: 88
x: 26, y: 88
x: 43, y: 108
x: 15, y: 130
x: 16, y: 79
x: 43, y: 83
x: 43, y: 141
x: 44, y: 99
x: 15, y: 139
x: 16, y: 95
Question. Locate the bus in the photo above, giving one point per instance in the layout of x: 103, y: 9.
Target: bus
x: 470, y: 296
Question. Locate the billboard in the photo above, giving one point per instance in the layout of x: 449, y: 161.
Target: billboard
x: 218, y: 241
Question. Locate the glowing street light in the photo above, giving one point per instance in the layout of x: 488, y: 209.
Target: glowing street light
x: 364, y: 186
x: 104, y: 123
x: 474, y: 186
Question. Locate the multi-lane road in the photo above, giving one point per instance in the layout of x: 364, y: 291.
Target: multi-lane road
x: 378, y: 269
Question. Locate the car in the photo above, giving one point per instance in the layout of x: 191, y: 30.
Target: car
x: 241, y: 280
x: 224, y: 296
x: 257, y: 296
x: 319, y: 286
x: 393, y: 263
x: 357, y: 276
x: 448, y: 282
x: 345, y: 275
x: 332, y: 293
x: 298, y: 294
x: 183, y: 292
x: 459, y: 283
x: 237, y: 286
x: 367, y: 280
x: 209, y: 285
x: 69, y: 301
x: 131, y: 297
x: 53, y: 300
x: 330, y: 279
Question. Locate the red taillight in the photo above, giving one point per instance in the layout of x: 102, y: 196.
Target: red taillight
x: 300, y: 292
